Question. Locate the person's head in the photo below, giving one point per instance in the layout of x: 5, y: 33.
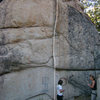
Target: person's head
x: 60, y: 82
x: 92, y: 77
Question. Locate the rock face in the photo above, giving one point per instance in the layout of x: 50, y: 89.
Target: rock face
x: 29, y: 83
x: 74, y: 30
x: 34, y: 54
x: 98, y: 87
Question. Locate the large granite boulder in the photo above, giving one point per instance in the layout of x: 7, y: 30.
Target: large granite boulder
x: 34, y: 54
x: 76, y: 39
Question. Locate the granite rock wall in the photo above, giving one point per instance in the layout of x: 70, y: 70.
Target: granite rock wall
x: 42, y: 41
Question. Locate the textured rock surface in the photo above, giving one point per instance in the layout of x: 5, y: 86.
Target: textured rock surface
x: 29, y: 47
x: 41, y: 97
x: 76, y: 39
x: 21, y: 13
x: 75, y: 83
x: 32, y: 59
x: 27, y: 83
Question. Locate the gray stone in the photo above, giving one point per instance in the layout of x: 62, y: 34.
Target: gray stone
x: 41, y: 97
x: 83, y: 98
x: 32, y: 59
x: 75, y: 82
x: 75, y: 40
x: 22, y: 48
x: 28, y: 83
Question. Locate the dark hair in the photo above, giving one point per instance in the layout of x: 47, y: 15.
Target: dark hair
x: 60, y: 82
x: 1, y: 1
x: 92, y: 76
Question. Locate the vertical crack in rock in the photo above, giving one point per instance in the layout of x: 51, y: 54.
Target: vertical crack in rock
x: 54, y: 38
x: 54, y: 35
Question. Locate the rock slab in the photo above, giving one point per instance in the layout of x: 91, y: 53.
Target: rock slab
x: 33, y: 58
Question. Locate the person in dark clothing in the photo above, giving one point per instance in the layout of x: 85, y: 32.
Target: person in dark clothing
x: 1, y: 0
x: 60, y: 90
x: 93, y: 86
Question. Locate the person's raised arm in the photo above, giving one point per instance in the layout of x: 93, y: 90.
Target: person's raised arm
x: 92, y: 85
x: 61, y: 90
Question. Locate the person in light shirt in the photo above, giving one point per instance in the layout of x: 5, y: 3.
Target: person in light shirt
x: 93, y: 86
x: 60, y: 90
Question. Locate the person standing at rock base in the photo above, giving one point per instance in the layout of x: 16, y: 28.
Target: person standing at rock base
x: 93, y: 86
x: 60, y: 90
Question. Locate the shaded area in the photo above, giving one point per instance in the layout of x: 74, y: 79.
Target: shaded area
x: 84, y: 89
x: 1, y: 1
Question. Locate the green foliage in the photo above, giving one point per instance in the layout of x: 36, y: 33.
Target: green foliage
x: 92, y: 8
